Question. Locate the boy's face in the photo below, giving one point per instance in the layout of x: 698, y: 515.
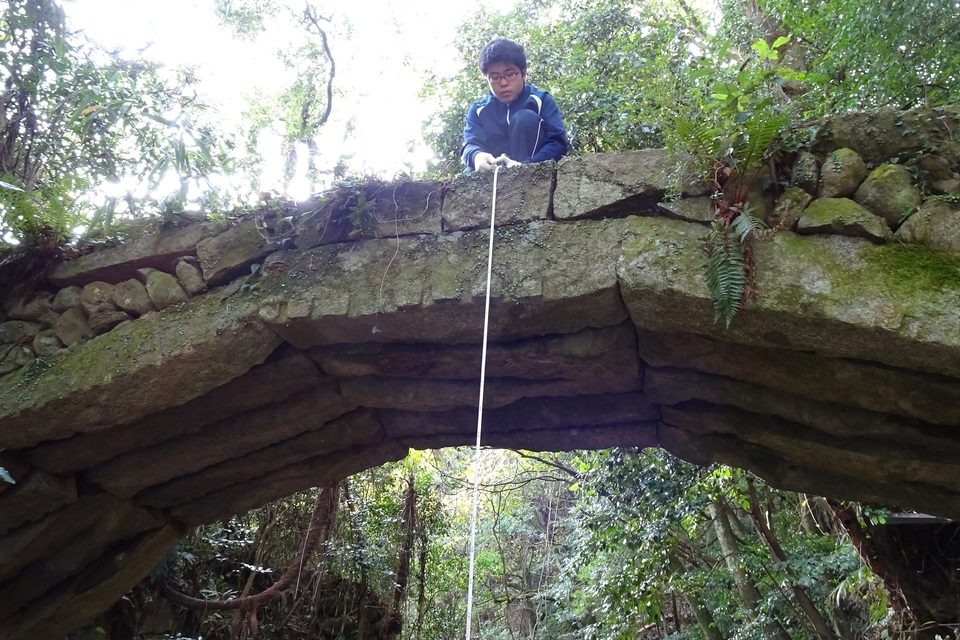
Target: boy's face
x: 506, y: 81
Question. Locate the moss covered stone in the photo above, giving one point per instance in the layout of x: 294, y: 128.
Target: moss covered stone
x: 162, y: 359
x: 817, y: 293
x: 547, y: 278
x: 789, y: 208
x: 935, y: 225
x: 842, y: 172
x: 844, y: 217
x: 889, y: 193
x: 806, y: 172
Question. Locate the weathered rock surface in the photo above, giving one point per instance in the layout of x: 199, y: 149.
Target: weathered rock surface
x: 190, y: 277
x: 76, y: 393
x: 845, y: 217
x: 889, y: 193
x: 231, y: 253
x: 72, y: 326
x: 880, y: 135
x: 633, y: 184
x: 806, y: 172
x: 841, y: 378
x: 935, y: 225
x: 859, y: 300
x: 156, y: 250
x: 789, y: 209
x: 841, y: 174
x: 163, y: 289
x: 700, y: 209
x: 522, y: 196
x: 67, y: 298
x: 132, y: 297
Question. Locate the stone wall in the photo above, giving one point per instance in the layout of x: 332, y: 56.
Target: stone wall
x: 204, y: 369
x: 899, y: 183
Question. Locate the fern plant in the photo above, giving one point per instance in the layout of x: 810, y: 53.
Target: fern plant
x: 732, y: 136
x: 728, y: 268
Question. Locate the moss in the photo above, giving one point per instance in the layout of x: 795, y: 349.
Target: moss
x: 913, y: 267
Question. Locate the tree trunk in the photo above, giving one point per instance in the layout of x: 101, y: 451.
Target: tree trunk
x: 704, y: 618
x: 809, y: 609
x: 748, y: 590
x: 917, y: 563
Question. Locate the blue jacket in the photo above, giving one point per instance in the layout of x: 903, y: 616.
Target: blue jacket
x: 488, y: 119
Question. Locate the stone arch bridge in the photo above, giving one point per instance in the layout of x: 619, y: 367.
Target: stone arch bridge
x: 212, y: 368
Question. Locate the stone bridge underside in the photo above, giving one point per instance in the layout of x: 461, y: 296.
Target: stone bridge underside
x: 841, y: 379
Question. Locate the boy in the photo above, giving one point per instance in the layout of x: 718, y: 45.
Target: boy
x: 515, y: 123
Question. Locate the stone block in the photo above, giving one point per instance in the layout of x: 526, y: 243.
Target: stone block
x: 95, y: 294
x: 358, y: 428
x: 235, y: 437
x: 156, y: 250
x: 433, y: 395
x: 105, y: 319
x: 590, y: 353
x: 68, y: 298
x: 269, y: 383
x: 131, y: 296
x: 935, y: 225
x: 858, y: 300
x: 46, y: 343
x: 841, y: 174
x: 164, y: 290
x: 32, y: 310
x: 190, y: 276
x: 844, y: 217
x: 615, y: 185
x: 33, y: 496
x: 161, y: 356
x: 789, y: 208
x: 231, y: 253
x: 774, y: 390
x: 14, y: 356
x: 889, y: 193
x: 72, y: 326
x: 700, y: 209
x: 431, y: 290
x: 523, y: 195
x: 30, y: 543
x: 18, y: 331
x: 806, y: 172
x: 852, y: 384
x: 69, y: 604
x: 288, y: 479
x: 406, y: 208
x: 535, y: 414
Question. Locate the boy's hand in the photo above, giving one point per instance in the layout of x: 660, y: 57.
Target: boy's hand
x: 508, y: 162
x: 484, y: 161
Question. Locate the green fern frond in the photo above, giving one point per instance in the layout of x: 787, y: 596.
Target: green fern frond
x: 758, y: 134
x: 698, y: 136
x: 724, y: 272
x: 745, y: 224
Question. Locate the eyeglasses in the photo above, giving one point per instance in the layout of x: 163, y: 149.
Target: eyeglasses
x: 494, y: 78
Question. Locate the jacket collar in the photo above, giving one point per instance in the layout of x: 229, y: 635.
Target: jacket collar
x: 521, y: 97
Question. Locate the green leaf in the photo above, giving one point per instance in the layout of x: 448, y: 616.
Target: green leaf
x: 779, y: 42
x: 761, y: 47
x: 724, y: 272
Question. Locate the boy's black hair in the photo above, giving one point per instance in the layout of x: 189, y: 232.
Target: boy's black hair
x: 503, y: 51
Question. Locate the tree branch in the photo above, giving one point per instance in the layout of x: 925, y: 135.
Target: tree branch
x: 321, y: 523
x: 551, y: 463
x: 308, y: 12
